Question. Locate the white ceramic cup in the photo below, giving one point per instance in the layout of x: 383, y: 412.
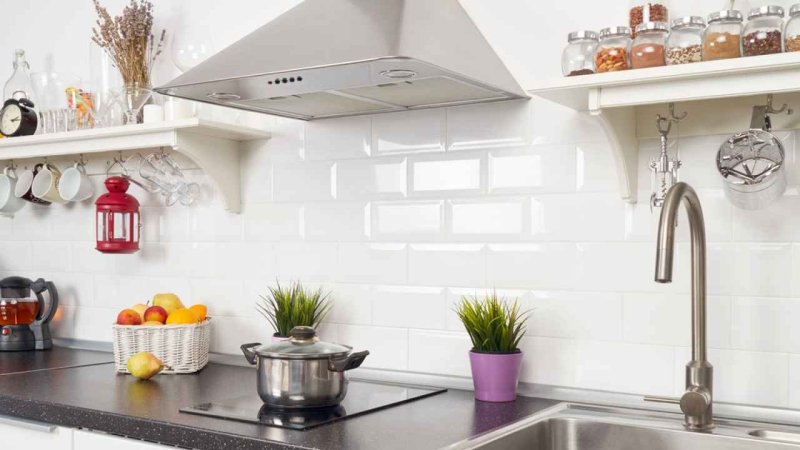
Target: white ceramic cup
x: 175, y: 109
x: 75, y: 185
x: 152, y: 114
x: 23, y: 188
x: 9, y: 202
x: 45, y: 184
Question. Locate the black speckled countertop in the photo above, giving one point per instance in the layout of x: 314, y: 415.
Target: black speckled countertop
x: 95, y: 397
x: 58, y: 358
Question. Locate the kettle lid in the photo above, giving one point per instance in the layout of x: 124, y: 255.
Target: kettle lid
x: 303, y: 344
x: 15, y: 287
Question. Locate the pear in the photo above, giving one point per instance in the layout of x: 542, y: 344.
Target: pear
x: 144, y: 365
x: 170, y: 302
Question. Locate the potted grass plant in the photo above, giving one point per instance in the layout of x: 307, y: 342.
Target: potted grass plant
x: 495, y: 328
x: 286, y: 307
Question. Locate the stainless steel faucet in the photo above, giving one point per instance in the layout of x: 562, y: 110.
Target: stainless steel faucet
x: 696, y: 402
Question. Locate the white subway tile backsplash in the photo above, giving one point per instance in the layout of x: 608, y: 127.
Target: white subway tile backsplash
x: 306, y: 261
x: 762, y: 269
x: 373, y: 263
x: 372, y: 178
x: 766, y: 324
x: 388, y: 347
x: 778, y: 222
x: 579, y: 217
x: 342, y: 138
x: 273, y: 222
x: 583, y: 315
x: 351, y: 304
x: 446, y: 175
x: 216, y: 294
x: 537, y: 266
x: 794, y: 381
x: 502, y: 124
x: 407, y: 218
x: 595, y: 168
x: 340, y: 221
x: 409, y: 306
x: 448, y: 264
x: 533, y: 169
x: 482, y: 218
x: 307, y: 181
x: 409, y: 131
x: 439, y: 352
x: 665, y: 319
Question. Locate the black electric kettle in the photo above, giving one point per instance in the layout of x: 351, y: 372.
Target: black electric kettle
x: 26, y: 308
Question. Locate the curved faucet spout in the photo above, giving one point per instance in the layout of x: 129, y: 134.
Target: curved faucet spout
x: 696, y: 401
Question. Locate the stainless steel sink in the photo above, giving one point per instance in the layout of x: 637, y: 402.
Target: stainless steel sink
x: 586, y: 427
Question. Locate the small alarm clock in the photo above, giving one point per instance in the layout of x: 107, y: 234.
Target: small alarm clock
x: 17, y: 118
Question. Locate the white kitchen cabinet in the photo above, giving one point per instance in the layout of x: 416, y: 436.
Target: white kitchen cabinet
x: 89, y: 440
x: 27, y: 434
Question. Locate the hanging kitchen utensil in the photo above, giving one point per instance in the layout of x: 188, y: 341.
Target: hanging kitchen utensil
x: 751, y: 162
x: 664, y: 169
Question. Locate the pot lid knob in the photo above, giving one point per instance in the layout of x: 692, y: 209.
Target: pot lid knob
x: 302, y: 333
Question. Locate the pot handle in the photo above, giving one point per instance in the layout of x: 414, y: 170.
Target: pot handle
x: 249, y: 353
x: 350, y: 362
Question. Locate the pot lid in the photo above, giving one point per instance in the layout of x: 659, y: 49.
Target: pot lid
x: 303, y: 344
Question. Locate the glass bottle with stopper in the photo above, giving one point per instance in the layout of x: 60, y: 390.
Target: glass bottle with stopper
x: 19, y: 86
x: 664, y: 168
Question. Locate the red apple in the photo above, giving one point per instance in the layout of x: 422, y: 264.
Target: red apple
x: 129, y: 317
x: 155, y: 314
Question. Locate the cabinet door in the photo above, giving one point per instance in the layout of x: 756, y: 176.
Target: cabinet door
x: 23, y: 434
x: 89, y: 440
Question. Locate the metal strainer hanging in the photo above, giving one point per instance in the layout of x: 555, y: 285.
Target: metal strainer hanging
x: 751, y: 162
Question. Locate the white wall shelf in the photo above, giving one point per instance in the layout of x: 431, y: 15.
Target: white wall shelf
x: 614, y: 97
x: 213, y: 146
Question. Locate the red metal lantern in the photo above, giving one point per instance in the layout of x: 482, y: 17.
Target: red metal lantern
x: 118, y: 224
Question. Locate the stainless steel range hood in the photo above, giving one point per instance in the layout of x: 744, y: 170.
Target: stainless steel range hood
x: 330, y: 58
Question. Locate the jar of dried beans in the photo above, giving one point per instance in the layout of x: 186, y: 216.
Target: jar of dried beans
x: 578, y: 55
x: 613, y: 50
x: 723, y: 36
x: 762, y: 34
x: 649, y: 46
x: 642, y: 12
x: 685, y: 43
x: 792, y: 32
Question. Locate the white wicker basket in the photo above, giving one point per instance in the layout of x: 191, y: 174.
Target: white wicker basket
x: 184, y: 348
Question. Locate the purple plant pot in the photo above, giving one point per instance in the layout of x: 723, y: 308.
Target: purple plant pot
x: 275, y: 338
x: 495, y: 375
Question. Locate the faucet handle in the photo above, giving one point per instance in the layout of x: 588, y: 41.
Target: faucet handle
x: 695, y: 401
x: 662, y: 399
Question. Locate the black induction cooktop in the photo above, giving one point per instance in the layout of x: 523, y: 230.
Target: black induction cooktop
x: 362, y: 397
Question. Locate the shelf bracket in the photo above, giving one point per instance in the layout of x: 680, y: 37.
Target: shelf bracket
x: 219, y: 159
x: 619, y: 125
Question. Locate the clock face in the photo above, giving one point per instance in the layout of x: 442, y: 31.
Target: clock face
x: 10, y: 119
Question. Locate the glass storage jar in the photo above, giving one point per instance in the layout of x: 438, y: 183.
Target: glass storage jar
x: 578, y: 55
x: 641, y: 12
x: 762, y: 34
x: 685, y: 42
x: 649, y: 46
x: 723, y: 36
x: 792, y: 31
x: 613, y: 50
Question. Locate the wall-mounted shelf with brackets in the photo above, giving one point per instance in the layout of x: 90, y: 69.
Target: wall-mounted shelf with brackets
x: 213, y: 146
x: 614, y: 97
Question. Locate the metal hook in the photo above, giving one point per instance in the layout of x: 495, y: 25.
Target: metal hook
x: 672, y: 118
x: 11, y: 165
x: 772, y: 110
x: 81, y: 161
x: 117, y: 161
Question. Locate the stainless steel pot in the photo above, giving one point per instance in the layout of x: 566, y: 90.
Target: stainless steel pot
x: 302, y: 372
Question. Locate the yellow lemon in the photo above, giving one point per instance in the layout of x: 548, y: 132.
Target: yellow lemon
x: 181, y: 317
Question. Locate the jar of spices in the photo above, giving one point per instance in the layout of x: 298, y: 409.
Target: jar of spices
x: 723, y: 36
x: 792, y: 32
x: 762, y: 34
x: 613, y: 50
x: 650, y: 45
x: 685, y: 42
x: 578, y: 55
x: 641, y: 12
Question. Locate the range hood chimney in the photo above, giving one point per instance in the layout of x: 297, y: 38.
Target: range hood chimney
x: 332, y: 58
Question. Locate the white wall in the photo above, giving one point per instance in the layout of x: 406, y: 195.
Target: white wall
x: 399, y: 215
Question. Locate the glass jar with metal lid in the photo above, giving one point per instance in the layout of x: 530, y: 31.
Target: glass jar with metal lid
x: 763, y: 32
x: 613, y: 50
x: 723, y: 36
x: 685, y: 42
x: 792, y: 31
x: 578, y: 56
x: 649, y: 46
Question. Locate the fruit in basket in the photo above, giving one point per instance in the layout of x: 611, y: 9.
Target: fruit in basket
x: 152, y: 323
x: 144, y: 365
x: 169, y: 302
x: 181, y: 316
x: 155, y: 314
x: 129, y: 317
x: 140, y: 308
x: 200, y: 312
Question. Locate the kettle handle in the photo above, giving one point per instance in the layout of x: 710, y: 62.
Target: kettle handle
x: 352, y: 361
x: 249, y: 353
x: 38, y: 287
